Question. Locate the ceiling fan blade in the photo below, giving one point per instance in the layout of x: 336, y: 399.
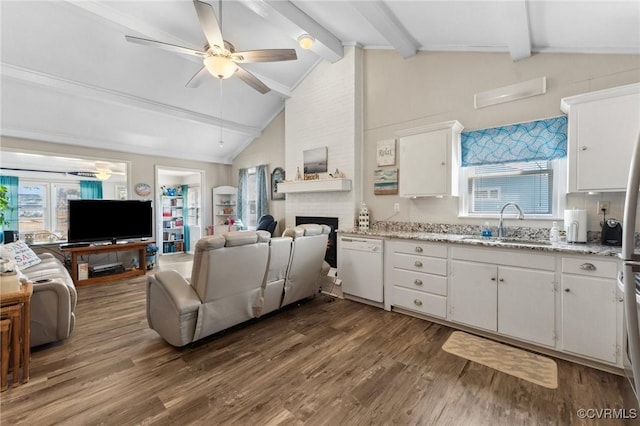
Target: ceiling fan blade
x: 165, y: 46
x: 209, y: 23
x: 198, y: 78
x: 266, y: 55
x: 251, y: 80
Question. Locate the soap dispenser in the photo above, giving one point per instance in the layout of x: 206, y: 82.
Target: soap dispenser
x: 554, y: 233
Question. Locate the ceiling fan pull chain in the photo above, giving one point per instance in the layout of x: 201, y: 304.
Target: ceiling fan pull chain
x: 220, y: 124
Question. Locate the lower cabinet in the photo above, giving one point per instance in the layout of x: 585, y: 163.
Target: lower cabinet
x: 515, y: 302
x: 590, y: 307
x: 418, y: 276
x: 568, y: 303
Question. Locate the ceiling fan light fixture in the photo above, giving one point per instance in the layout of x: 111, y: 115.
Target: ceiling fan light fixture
x: 102, y: 174
x: 306, y: 41
x: 220, y: 66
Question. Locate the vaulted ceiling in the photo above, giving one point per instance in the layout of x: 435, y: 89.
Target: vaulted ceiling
x: 69, y: 75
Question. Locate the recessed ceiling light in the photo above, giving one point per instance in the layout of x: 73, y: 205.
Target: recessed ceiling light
x: 306, y: 41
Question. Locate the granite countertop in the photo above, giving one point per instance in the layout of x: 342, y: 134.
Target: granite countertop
x: 477, y: 240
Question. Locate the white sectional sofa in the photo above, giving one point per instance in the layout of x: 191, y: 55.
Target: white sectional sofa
x: 235, y: 277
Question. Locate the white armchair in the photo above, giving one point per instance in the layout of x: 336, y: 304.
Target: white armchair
x: 307, y: 263
x: 225, y: 289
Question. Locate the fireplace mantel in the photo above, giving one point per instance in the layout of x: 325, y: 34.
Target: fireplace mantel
x: 318, y: 185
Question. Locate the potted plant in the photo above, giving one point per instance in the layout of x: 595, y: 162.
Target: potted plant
x: 4, y: 208
x: 151, y: 250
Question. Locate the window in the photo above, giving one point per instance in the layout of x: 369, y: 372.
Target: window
x: 42, y: 208
x: 252, y: 195
x: 252, y: 216
x: 537, y: 186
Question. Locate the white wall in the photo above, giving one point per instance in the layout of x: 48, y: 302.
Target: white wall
x: 325, y: 111
x: 433, y: 87
x: 428, y: 88
x: 142, y: 167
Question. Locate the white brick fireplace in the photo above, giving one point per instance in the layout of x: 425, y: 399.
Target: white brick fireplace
x: 325, y: 110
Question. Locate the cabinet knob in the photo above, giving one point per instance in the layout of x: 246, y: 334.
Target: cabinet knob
x: 418, y: 249
x: 501, y: 280
x: 417, y: 282
x: 417, y: 302
x: 493, y: 278
x: 567, y: 290
x: 443, y: 163
x: 418, y: 264
x: 588, y: 267
x: 583, y: 148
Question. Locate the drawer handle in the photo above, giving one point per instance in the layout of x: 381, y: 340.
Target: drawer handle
x: 588, y: 267
x: 417, y: 282
x: 417, y: 302
x: 418, y: 249
x: 418, y: 264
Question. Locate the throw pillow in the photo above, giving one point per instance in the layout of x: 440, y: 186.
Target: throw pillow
x: 21, y: 254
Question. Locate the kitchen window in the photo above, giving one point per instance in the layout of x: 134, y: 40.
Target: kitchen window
x: 537, y: 186
x: 523, y: 163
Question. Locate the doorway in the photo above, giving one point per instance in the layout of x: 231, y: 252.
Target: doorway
x: 179, y: 221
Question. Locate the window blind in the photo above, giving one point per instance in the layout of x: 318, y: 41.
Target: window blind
x: 534, y: 140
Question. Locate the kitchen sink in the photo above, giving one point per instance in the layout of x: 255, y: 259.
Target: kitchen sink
x: 514, y: 241
x: 522, y: 241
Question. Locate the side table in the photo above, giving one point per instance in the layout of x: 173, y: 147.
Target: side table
x: 19, y: 302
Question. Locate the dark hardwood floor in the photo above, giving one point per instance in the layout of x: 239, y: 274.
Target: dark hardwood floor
x: 318, y: 363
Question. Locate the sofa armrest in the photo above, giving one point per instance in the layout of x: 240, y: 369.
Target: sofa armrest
x: 51, y: 311
x: 172, y: 307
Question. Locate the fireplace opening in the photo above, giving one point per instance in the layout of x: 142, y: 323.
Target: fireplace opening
x: 332, y: 251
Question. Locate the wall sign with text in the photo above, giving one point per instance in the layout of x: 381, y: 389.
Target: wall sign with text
x: 386, y: 153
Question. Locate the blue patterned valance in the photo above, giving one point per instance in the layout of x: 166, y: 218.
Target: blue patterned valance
x: 535, y: 140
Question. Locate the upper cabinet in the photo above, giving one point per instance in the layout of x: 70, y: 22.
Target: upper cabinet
x: 603, y: 127
x: 429, y: 160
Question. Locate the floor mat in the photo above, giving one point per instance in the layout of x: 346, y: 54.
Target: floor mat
x: 516, y: 362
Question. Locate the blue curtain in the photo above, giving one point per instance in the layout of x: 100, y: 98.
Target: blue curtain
x: 262, y: 202
x: 535, y: 140
x: 90, y: 190
x: 11, y: 216
x: 243, y: 203
x: 185, y: 218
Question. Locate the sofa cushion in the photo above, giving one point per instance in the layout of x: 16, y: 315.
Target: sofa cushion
x: 21, y: 254
x: 242, y: 238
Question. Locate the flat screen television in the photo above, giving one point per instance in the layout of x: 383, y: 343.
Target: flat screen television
x: 109, y: 220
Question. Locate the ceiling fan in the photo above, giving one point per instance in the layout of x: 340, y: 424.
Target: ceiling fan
x: 219, y: 56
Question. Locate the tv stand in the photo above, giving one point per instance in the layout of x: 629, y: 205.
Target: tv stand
x: 140, y: 246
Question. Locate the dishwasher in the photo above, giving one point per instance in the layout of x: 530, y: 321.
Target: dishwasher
x: 360, y: 268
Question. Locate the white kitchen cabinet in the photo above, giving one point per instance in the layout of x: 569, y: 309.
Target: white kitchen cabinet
x: 526, y: 305
x: 590, y: 308
x: 417, y: 277
x: 473, y: 295
x: 602, y: 130
x: 510, y: 299
x: 429, y: 160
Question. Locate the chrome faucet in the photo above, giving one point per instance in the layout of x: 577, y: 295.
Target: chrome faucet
x: 500, y: 224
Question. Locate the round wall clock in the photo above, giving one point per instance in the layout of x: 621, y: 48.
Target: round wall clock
x: 143, y: 189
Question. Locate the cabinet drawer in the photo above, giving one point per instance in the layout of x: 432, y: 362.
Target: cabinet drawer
x: 418, y: 301
x: 420, y: 281
x: 420, y: 249
x: 420, y: 263
x: 589, y: 267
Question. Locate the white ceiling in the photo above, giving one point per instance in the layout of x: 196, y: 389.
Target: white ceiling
x: 69, y: 76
